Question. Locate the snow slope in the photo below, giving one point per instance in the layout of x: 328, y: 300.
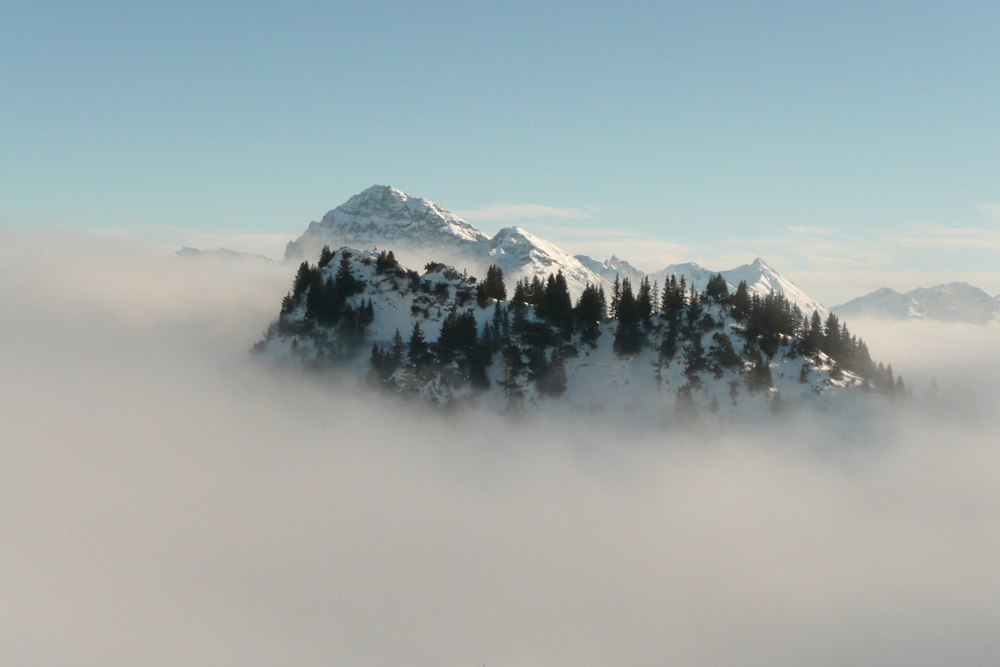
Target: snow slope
x: 953, y: 302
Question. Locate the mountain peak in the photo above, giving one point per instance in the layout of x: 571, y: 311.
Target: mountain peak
x: 386, y: 201
x: 385, y: 216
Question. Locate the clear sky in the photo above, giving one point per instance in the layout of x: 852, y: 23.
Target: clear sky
x: 849, y: 144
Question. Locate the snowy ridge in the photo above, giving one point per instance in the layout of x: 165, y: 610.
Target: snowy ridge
x: 952, y: 302
x: 420, y: 231
x: 760, y: 278
x: 522, y: 254
x: 610, y: 268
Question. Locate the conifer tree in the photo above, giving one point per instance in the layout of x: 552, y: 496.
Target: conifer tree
x: 668, y: 345
x: 616, y: 295
x: 501, y: 335
x: 589, y: 312
x: 644, y: 302
x: 344, y: 282
x: 513, y: 367
x: 694, y: 360
x: 520, y: 291
x: 741, y: 301
x: 493, y: 287
x: 418, y: 350
x: 536, y: 291
x: 325, y: 257
x: 303, y: 278
x: 717, y: 289
x: 628, y: 336
x: 398, y: 348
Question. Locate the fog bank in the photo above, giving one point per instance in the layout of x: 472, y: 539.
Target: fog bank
x: 166, y: 502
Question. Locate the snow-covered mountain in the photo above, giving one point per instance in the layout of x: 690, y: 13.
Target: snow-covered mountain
x: 520, y: 253
x: 382, y: 215
x: 953, y: 302
x: 610, y: 268
x: 420, y: 231
x: 760, y: 278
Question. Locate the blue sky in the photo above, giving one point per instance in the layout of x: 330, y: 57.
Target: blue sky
x: 844, y: 143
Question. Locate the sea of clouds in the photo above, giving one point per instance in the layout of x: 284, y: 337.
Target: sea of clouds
x: 164, y: 501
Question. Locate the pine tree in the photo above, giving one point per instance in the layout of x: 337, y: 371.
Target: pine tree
x: 628, y: 335
x: 589, y: 312
x: 717, y: 289
x: 741, y: 301
x: 344, y: 282
x: 303, y: 279
x: 668, y: 345
x: 536, y: 291
x: 520, y: 291
x: 418, y: 350
x: 616, y: 295
x: 493, y: 287
x: 325, y: 257
x: 398, y: 348
x: 644, y: 303
x: 496, y: 284
x: 694, y: 360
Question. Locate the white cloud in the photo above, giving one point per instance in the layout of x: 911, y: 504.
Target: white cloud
x: 795, y: 229
x: 991, y: 209
x: 949, y: 238
x: 504, y: 211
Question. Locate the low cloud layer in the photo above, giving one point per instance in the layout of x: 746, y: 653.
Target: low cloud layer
x: 165, y: 502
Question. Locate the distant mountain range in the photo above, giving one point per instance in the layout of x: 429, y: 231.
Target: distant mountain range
x: 954, y: 302
x: 222, y: 253
x: 420, y: 231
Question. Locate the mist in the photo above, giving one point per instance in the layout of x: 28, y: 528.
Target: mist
x: 166, y: 501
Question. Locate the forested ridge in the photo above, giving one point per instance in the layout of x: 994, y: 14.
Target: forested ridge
x: 466, y: 337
